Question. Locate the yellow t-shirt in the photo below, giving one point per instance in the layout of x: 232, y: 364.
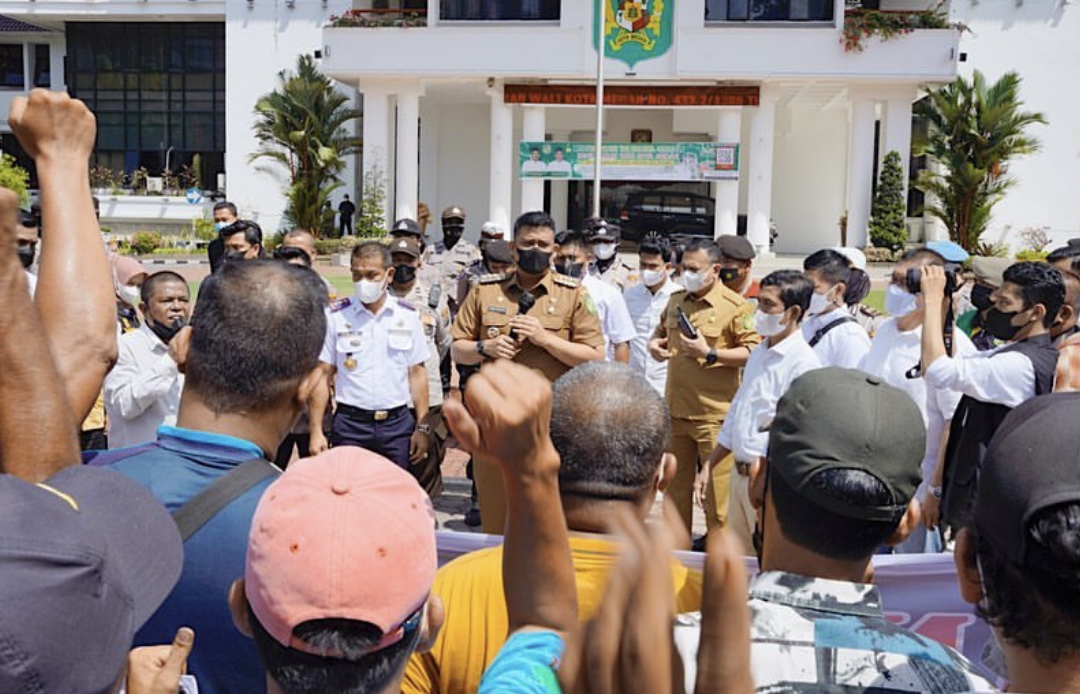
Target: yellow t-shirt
x: 476, y: 623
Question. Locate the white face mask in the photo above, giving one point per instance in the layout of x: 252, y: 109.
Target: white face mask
x: 130, y: 295
x: 768, y: 324
x: 370, y: 291
x: 651, y: 278
x: 603, y: 251
x: 898, y: 302
x: 694, y: 281
x: 819, y: 303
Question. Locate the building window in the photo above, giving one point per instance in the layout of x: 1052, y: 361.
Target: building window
x: 768, y: 10
x: 159, y: 95
x: 487, y: 10
x: 42, y: 75
x: 11, y: 66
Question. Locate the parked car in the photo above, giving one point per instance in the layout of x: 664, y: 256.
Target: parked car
x: 678, y: 217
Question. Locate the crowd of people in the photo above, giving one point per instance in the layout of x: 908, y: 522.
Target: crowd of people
x: 256, y: 513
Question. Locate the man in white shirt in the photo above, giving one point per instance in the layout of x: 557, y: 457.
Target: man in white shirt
x: 781, y: 357
x: 646, y: 301
x: 26, y: 235
x: 559, y: 166
x: 894, y: 356
x: 534, y: 165
x: 830, y: 329
x: 572, y: 259
x: 142, y: 392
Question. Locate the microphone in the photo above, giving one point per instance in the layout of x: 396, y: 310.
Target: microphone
x: 526, y: 302
x: 434, y: 294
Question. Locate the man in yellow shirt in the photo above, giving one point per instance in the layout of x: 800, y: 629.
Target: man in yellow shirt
x: 611, y: 429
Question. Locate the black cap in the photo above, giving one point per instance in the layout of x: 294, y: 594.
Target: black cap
x: 599, y: 229
x: 406, y: 226
x: 1032, y: 464
x: 736, y: 247
x: 498, y: 250
x: 845, y: 419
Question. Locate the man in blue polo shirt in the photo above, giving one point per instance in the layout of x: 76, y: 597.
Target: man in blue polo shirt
x: 250, y: 359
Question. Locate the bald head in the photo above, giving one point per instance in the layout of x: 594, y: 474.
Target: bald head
x: 302, y: 239
x: 610, y: 428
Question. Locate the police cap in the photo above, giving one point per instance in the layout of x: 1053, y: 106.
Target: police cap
x: 499, y: 251
x: 453, y: 213
x: 736, y: 247
x: 405, y: 226
x: 407, y: 245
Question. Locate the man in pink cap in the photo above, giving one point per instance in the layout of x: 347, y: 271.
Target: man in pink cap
x: 337, y: 588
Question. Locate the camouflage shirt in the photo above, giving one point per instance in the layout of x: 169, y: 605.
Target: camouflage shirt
x: 819, y: 635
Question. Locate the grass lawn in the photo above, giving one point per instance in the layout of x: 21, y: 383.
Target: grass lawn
x: 876, y: 299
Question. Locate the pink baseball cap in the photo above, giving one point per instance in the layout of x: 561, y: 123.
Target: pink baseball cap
x: 343, y: 535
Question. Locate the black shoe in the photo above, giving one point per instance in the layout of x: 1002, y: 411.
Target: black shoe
x: 472, y: 517
x: 698, y: 545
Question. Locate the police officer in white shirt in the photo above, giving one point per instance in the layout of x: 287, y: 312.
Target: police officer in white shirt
x: 572, y: 259
x: 646, y: 301
x: 375, y: 349
x: 829, y: 328
x: 894, y: 357
x: 142, y: 392
x: 783, y: 356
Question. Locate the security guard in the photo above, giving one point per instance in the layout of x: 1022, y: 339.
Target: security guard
x: 496, y: 261
x: 447, y: 259
x: 603, y: 238
x: 533, y: 316
x: 737, y: 267
x: 435, y: 316
x: 703, y: 373
x: 375, y: 344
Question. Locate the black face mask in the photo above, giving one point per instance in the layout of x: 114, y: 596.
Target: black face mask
x: 980, y: 297
x: 451, y: 235
x: 570, y: 269
x: 26, y: 256
x: 166, y: 331
x: 404, y: 274
x: 534, y: 261
x: 729, y: 274
x: 234, y: 257
x: 999, y: 324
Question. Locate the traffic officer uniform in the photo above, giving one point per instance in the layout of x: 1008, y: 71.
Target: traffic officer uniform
x: 698, y: 393
x: 436, y: 322
x: 562, y: 307
x: 373, y: 355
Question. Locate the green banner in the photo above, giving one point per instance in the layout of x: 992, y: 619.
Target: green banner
x: 635, y: 30
x: 631, y: 161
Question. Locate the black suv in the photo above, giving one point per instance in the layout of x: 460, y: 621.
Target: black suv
x: 674, y: 216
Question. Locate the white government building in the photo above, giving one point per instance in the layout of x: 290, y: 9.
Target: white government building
x: 449, y: 99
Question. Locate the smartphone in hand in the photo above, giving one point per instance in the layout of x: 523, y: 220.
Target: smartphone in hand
x: 685, y: 326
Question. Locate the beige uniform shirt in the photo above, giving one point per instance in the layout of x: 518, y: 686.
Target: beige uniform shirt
x: 562, y: 306
x: 444, y: 266
x: 695, y: 390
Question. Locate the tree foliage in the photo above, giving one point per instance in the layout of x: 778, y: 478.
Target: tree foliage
x: 975, y: 130
x: 14, y: 178
x: 370, y: 222
x: 888, y: 211
x: 302, y: 126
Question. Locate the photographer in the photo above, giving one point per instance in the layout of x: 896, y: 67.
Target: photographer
x: 894, y: 357
x: 993, y: 382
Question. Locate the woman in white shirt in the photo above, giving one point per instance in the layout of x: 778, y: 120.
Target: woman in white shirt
x: 836, y: 337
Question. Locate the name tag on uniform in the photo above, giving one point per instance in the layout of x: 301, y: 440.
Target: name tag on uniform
x: 348, y: 341
x: 497, y: 309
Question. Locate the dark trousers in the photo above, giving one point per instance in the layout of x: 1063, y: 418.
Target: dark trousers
x: 346, y: 225
x: 388, y: 437
x: 284, y: 451
x: 93, y: 440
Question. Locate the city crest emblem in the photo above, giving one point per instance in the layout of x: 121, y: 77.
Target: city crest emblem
x: 636, y: 30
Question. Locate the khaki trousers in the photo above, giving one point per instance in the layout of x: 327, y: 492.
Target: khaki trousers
x: 491, y: 494
x: 691, y: 443
x: 741, y: 514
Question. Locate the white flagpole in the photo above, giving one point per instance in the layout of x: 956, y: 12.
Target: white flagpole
x: 600, y: 26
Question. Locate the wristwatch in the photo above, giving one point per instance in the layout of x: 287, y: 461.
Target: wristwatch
x: 711, y: 357
x: 935, y: 492
x: 424, y: 429
x: 480, y: 348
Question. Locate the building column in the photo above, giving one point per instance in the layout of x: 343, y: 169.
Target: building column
x: 560, y: 189
x: 759, y: 193
x: 898, y: 136
x: 376, y: 133
x: 726, y: 192
x: 407, y: 178
x: 533, y: 129
x: 502, y: 160
x: 860, y: 169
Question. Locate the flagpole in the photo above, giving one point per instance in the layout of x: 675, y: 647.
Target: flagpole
x: 600, y: 33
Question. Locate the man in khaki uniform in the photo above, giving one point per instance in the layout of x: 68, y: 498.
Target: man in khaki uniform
x: 703, y: 374
x: 559, y: 331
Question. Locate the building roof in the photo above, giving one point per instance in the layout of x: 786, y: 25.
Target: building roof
x: 10, y: 25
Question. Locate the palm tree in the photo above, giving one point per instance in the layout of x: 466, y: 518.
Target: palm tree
x: 975, y: 129
x: 301, y: 126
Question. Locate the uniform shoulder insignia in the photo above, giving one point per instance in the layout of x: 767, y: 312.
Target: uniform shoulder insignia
x: 870, y: 311
x: 407, y: 305
x: 339, y: 304
x: 493, y: 278
x: 565, y: 281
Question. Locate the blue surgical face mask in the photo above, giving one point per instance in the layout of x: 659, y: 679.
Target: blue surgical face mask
x: 220, y: 225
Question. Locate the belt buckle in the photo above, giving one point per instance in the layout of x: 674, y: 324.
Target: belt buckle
x: 380, y: 415
x: 742, y: 468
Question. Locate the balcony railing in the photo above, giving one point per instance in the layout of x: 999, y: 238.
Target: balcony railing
x: 380, y: 18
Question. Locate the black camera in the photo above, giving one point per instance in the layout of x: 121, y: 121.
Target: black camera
x: 952, y: 273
